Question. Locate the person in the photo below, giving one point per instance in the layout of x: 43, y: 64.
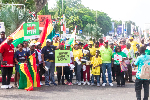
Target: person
x: 119, y: 72
x: 123, y: 44
x: 20, y: 57
x: 69, y: 70
x: 59, y: 69
x: 96, y: 63
x: 2, y: 37
x: 48, y: 59
x: 25, y: 46
x: 56, y: 41
x: 142, y: 42
x: 138, y: 82
x: 86, y: 67
x: 130, y: 56
x: 133, y: 44
x: 101, y: 42
x: 41, y: 71
x: 97, y: 46
x: 7, y: 62
x: 77, y: 53
x: 106, y: 54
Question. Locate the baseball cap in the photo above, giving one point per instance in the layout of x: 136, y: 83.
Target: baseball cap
x: 48, y: 40
x: 106, y: 41
x: 10, y: 38
x: 38, y: 43
x: 90, y: 42
x: 80, y: 43
x: 2, y: 32
x: 31, y: 44
x: 131, y: 37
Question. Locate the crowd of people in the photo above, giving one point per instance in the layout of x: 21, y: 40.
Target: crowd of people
x: 90, y: 62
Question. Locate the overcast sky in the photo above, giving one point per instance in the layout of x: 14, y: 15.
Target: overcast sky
x: 134, y: 10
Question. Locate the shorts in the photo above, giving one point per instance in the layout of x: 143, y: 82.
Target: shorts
x: 17, y: 67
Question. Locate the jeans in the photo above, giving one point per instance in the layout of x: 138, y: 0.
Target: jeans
x: 50, y: 72
x: 138, y: 88
x: 97, y: 76
x: 119, y: 75
x: 108, y: 67
x: 6, y: 71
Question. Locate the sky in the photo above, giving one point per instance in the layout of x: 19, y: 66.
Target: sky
x: 134, y: 10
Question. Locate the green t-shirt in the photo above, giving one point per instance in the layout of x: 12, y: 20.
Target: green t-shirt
x: 106, y: 54
x: 147, y: 52
x: 119, y: 53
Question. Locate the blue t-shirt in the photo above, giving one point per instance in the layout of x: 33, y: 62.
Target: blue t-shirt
x: 140, y: 62
x: 20, y: 56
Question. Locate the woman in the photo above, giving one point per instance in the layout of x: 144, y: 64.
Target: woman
x: 20, y: 57
x: 117, y: 58
x: 42, y: 71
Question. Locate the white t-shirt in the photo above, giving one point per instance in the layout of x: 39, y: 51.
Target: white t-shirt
x: 71, y: 55
x: 39, y: 56
x: 125, y: 50
x: 26, y: 49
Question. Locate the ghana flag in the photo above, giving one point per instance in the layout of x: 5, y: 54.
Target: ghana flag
x: 25, y: 81
x: 33, y: 71
x: 47, y: 33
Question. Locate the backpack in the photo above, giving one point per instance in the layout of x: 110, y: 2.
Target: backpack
x: 145, y: 72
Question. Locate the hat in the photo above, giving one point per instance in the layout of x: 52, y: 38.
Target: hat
x: 80, y: 43
x: 38, y: 43
x: 10, y: 38
x: 85, y: 46
x: 106, y: 41
x: 48, y: 40
x: 31, y: 44
x: 67, y: 45
x: 131, y: 37
x: 90, y: 42
x: 34, y: 41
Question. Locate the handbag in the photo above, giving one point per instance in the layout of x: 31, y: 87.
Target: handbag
x: 123, y: 66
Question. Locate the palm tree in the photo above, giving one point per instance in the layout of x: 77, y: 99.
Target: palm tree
x: 97, y: 32
x: 88, y: 30
x: 13, y: 18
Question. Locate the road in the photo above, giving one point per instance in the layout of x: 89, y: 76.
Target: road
x: 64, y: 92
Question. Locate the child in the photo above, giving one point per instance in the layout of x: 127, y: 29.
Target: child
x: 96, y: 63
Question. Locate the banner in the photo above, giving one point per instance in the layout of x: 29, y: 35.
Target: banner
x: 42, y: 20
x: 31, y: 30
x: 62, y: 57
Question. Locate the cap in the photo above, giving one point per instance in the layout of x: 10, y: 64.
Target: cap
x: 2, y: 32
x: 80, y: 43
x: 10, y: 38
x: 90, y: 42
x: 31, y: 44
x: 106, y: 41
x: 48, y: 40
x: 131, y: 37
x: 38, y: 43
x: 67, y: 45
x: 85, y: 46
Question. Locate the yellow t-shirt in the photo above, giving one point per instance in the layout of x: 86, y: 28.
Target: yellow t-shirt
x: 97, y: 49
x: 77, y: 53
x: 92, y: 52
x: 55, y: 44
x: 133, y: 45
x: 95, y: 62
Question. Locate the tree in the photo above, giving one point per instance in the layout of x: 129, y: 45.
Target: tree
x: 13, y: 18
x: 97, y: 32
x: 89, y: 30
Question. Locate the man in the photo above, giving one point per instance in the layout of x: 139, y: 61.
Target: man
x: 101, y: 42
x: 142, y: 42
x: 56, y: 41
x: 7, y: 61
x: 123, y: 44
x: 2, y: 37
x: 133, y: 44
x: 48, y: 58
x: 128, y: 52
x: 106, y: 54
x: 97, y: 46
x: 140, y: 61
x: 25, y: 46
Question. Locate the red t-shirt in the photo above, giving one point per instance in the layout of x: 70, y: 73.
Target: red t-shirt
x: 8, y: 54
x: 122, y: 47
x: 101, y: 44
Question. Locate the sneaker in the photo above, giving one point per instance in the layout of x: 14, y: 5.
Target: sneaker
x: 84, y: 83
x: 132, y: 81
x: 67, y: 83
x: 76, y: 83
x: 41, y: 83
x: 15, y: 85
x: 70, y: 83
x: 92, y: 84
x: 111, y: 84
x: 47, y: 84
x: 88, y: 83
x: 58, y: 83
x: 4, y: 87
x: 118, y: 85
x: 98, y: 84
x: 122, y: 85
x: 9, y: 86
x: 104, y: 84
x: 55, y: 84
x: 79, y: 83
